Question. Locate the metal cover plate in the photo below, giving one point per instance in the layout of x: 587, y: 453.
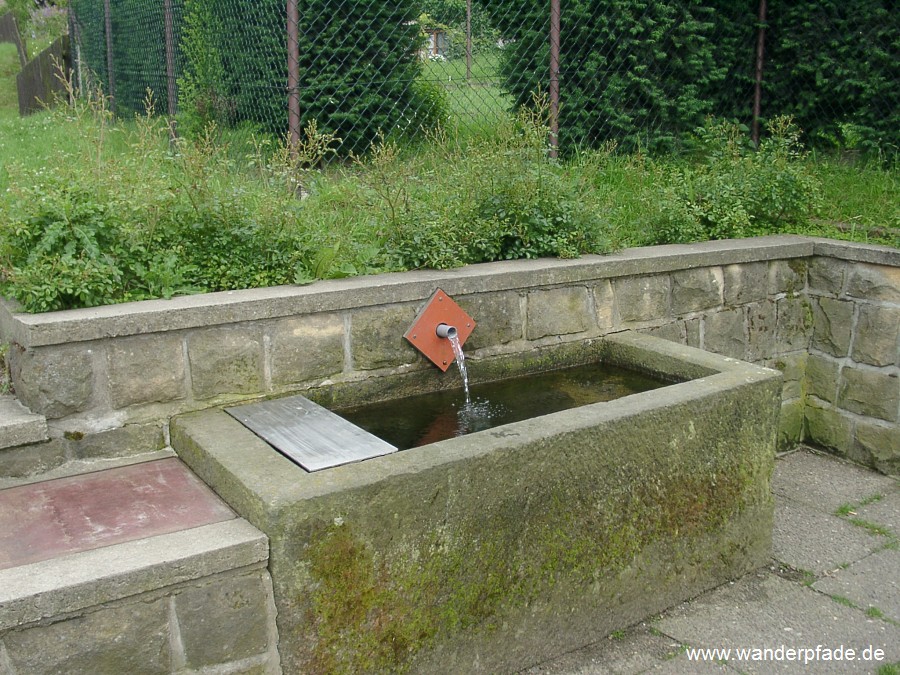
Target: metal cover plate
x: 440, y: 309
x: 308, y: 434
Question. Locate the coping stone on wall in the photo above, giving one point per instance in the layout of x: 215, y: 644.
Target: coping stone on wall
x: 855, y: 252
x: 227, y: 307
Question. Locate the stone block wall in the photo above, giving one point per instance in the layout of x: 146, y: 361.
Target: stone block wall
x: 819, y: 311
x: 853, y: 369
x: 218, y: 625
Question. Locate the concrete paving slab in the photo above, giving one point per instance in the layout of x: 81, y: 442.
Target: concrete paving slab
x: 827, y: 483
x: 884, y: 512
x: 763, y: 611
x: 873, y: 582
x: 634, y: 651
x: 775, y: 607
x: 808, y: 539
x: 682, y: 664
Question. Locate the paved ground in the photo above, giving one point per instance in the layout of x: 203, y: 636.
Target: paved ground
x: 833, y: 586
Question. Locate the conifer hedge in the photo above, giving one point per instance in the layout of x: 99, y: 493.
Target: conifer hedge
x: 358, y: 64
x: 646, y: 71
x: 635, y: 71
x: 640, y: 72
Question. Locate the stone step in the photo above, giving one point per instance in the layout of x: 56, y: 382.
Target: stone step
x: 44, y: 520
x: 27, y: 465
x: 119, y: 571
x: 18, y: 425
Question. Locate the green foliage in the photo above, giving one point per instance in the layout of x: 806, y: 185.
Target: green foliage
x: 841, y: 91
x: 502, y: 200
x: 358, y: 64
x: 829, y: 64
x: 138, y: 48
x: 634, y: 71
x: 735, y: 190
x: 155, y: 222
x: 202, y: 96
x: 21, y: 9
x: 95, y: 211
x: 645, y: 72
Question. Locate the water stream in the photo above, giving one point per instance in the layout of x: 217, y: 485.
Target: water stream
x: 461, y: 363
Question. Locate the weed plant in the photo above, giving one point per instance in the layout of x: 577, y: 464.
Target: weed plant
x: 731, y: 189
x: 493, y: 197
x: 95, y: 210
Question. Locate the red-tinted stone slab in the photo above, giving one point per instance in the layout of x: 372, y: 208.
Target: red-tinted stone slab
x: 44, y: 520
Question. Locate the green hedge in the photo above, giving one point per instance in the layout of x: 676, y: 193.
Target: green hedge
x: 358, y: 64
x: 138, y: 47
x: 646, y: 71
x: 833, y: 65
x: 640, y: 72
x: 633, y: 71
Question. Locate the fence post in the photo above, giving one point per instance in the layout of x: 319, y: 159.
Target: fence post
x: 171, y: 89
x: 757, y: 90
x: 555, y: 12
x: 293, y: 64
x: 468, y: 40
x: 111, y: 76
x: 74, y: 51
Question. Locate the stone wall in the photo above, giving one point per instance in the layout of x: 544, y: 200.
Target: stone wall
x: 822, y: 312
x: 853, y: 387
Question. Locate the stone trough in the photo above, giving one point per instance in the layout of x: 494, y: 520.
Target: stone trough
x: 493, y: 551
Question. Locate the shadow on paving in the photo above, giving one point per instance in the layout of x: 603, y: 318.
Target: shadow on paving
x: 833, y: 586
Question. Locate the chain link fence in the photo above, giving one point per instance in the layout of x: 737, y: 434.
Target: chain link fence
x: 639, y: 73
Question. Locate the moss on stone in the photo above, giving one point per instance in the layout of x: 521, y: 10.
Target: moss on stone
x: 373, y: 609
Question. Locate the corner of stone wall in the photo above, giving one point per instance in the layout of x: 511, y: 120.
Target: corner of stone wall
x: 853, y: 372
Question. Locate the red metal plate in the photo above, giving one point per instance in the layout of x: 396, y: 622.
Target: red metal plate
x: 423, y: 336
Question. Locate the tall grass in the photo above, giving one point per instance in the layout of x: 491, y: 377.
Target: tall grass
x: 859, y: 199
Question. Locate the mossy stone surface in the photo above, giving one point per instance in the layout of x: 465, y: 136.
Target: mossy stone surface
x: 491, y: 552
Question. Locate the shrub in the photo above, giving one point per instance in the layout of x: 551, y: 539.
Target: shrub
x: 357, y: 62
x: 502, y: 200
x: 735, y: 190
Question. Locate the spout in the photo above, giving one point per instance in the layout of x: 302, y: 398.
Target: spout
x: 445, y: 331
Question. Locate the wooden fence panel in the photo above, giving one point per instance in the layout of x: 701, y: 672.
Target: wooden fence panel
x: 40, y: 78
x: 9, y: 32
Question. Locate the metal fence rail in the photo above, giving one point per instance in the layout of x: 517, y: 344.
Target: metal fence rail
x: 641, y: 73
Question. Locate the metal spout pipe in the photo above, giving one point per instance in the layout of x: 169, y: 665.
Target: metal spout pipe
x: 445, y: 331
